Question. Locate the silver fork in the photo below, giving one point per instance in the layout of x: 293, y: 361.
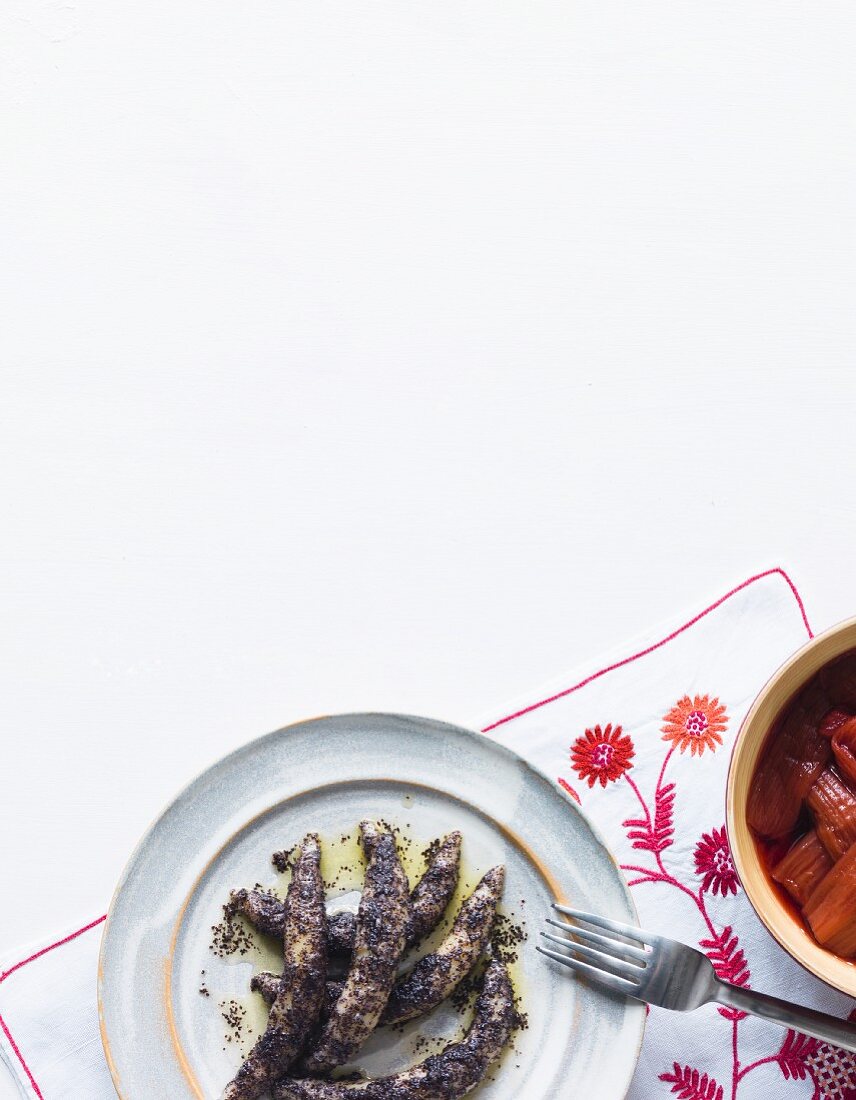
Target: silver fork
x: 663, y: 972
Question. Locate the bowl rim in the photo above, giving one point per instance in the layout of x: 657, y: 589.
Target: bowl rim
x: 838, y: 972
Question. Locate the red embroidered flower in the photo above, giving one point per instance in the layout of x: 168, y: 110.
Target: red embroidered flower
x: 602, y: 755
x: 695, y: 724
x: 713, y: 860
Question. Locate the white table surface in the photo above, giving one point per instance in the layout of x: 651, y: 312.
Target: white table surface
x: 393, y: 356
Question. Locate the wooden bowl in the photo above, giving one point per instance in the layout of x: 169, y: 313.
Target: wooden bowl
x: 781, y: 922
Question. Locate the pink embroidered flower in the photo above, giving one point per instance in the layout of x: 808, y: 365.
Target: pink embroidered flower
x: 713, y: 860
x: 602, y: 755
x: 695, y: 724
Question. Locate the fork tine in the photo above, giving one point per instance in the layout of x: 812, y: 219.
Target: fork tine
x: 617, y: 926
x: 615, y: 947
x: 608, y: 963
x: 618, y: 985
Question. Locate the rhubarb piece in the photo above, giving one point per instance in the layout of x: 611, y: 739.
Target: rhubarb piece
x: 844, y: 749
x: 831, y: 909
x: 833, y: 720
x: 803, y: 867
x: 838, y: 680
x: 793, y: 760
x: 833, y: 807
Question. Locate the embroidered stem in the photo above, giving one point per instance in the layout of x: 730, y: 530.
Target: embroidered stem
x: 663, y: 876
x: 754, y: 1065
x: 666, y: 760
x: 642, y: 801
x: 655, y: 837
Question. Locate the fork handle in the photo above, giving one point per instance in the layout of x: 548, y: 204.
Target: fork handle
x: 819, y: 1025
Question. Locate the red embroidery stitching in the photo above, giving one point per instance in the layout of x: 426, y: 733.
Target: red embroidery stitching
x: 695, y: 724
x: 832, y: 1071
x: 20, y: 1058
x: 729, y: 962
x: 565, y: 785
x: 24, y: 962
x: 713, y: 860
x: 728, y: 959
x: 59, y: 943
x: 689, y: 1084
x: 795, y: 1052
x: 655, y: 834
x: 602, y: 755
x: 654, y: 837
x: 778, y: 571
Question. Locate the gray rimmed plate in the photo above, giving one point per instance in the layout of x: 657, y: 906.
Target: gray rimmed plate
x: 164, y: 994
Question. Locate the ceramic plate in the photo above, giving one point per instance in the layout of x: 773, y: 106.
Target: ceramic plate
x: 163, y: 991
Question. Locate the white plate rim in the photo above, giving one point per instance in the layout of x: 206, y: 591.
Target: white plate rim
x: 490, y: 743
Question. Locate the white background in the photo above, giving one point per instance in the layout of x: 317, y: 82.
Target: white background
x: 393, y: 356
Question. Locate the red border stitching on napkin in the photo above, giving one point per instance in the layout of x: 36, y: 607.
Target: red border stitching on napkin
x: 658, y: 645
x: 20, y: 1056
x: 32, y: 958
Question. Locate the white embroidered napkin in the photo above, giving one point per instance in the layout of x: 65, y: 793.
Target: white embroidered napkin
x: 643, y: 743
x: 49, y: 1036
x: 642, y: 740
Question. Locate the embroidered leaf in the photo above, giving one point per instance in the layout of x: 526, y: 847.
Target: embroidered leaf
x: 795, y: 1051
x: 656, y: 836
x: 713, y: 861
x: 689, y: 1084
x: 664, y: 815
x: 727, y: 957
